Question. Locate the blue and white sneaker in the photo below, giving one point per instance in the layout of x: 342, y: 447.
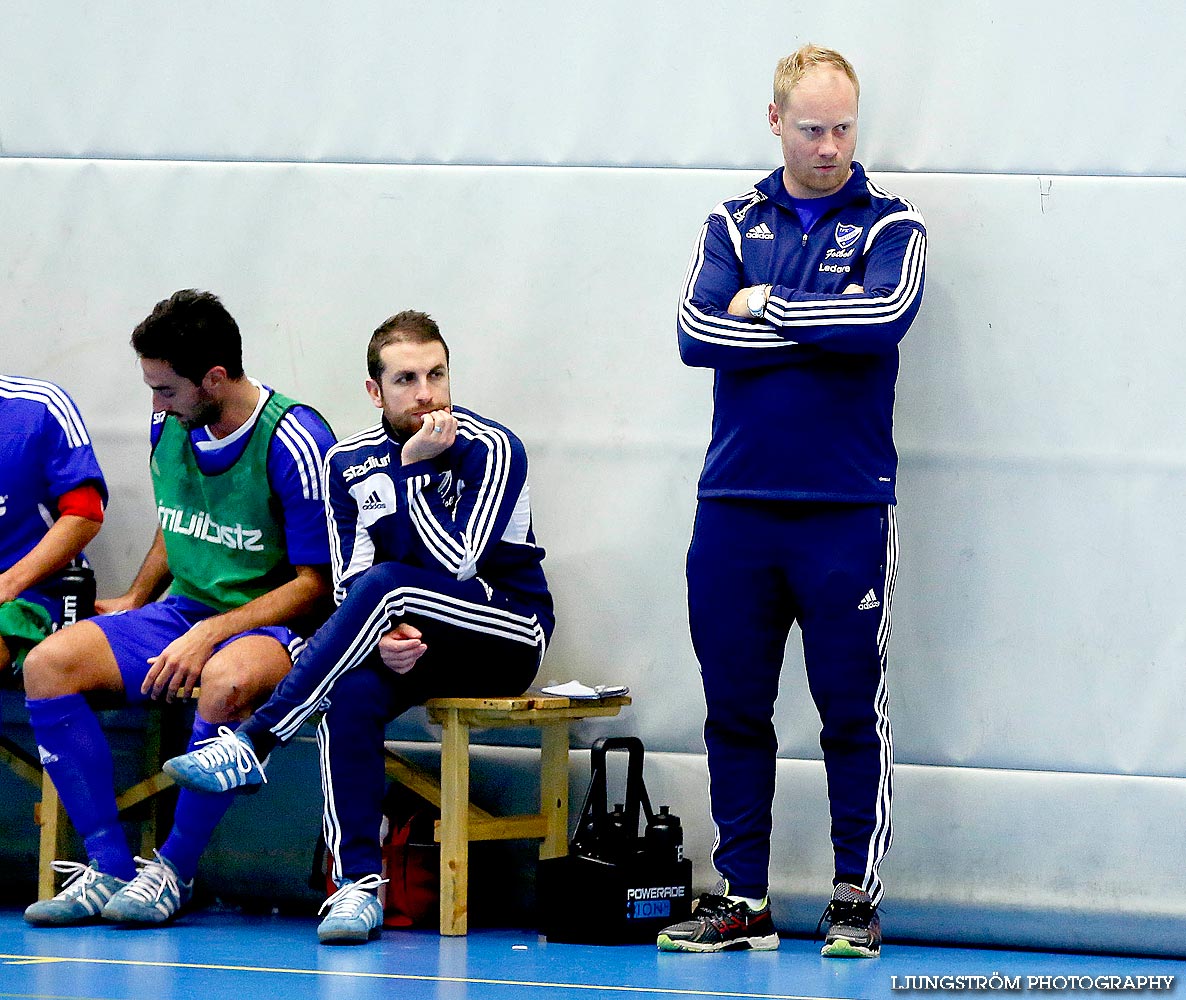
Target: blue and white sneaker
x: 84, y: 894
x: 226, y: 762
x: 152, y: 897
x: 355, y: 913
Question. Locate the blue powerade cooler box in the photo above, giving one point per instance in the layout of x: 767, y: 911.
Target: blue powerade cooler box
x: 615, y: 887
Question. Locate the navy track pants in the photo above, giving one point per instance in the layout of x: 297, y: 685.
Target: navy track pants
x: 480, y: 643
x: 754, y: 569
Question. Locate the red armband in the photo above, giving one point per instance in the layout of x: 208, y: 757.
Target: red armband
x: 83, y: 501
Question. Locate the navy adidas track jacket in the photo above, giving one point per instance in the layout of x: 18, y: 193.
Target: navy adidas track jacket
x: 803, y: 398
x: 466, y: 512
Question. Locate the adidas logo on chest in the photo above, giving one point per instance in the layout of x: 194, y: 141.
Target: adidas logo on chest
x: 760, y: 232
x: 373, y: 501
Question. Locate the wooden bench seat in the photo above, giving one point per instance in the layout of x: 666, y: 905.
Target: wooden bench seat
x: 461, y: 821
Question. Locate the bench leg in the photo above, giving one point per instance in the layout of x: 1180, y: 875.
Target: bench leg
x: 454, y: 825
x: 553, y: 789
x: 49, y: 816
x: 153, y: 741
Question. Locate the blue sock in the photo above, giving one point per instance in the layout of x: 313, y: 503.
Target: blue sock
x: 75, y: 753
x: 196, y: 815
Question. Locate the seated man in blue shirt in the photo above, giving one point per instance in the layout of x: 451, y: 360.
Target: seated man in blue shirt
x: 440, y: 590
x: 241, y: 534
x: 52, y: 495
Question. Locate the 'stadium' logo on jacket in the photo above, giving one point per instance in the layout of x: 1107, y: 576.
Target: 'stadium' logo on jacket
x: 847, y: 236
x: 372, y: 462
x: 234, y: 536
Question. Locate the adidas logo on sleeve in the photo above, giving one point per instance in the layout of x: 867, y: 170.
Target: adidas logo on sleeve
x: 868, y: 602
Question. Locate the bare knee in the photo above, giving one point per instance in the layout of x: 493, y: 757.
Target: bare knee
x: 239, y: 678
x: 72, y: 661
x: 234, y: 686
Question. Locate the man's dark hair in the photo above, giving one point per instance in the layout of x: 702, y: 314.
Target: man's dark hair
x: 408, y: 326
x: 192, y: 332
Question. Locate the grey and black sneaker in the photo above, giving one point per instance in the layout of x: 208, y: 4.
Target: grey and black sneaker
x: 152, y: 897
x: 355, y: 913
x: 721, y: 924
x: 854, y: 929
x: 84, y: 894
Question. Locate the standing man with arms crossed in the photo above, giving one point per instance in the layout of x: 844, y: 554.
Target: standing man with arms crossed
x: 236, y: 474
x: 51, y: 505
x: 798, y: 294
x: 441, y: 592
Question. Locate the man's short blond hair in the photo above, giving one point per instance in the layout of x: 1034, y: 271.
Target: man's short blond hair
x: 791, y: 70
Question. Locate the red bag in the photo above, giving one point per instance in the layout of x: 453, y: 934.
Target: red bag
x: 411, y: 861
x: 411, y: 897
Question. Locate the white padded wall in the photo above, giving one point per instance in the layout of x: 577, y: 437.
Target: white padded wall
x: 1007, y: 86
x: 484, y: 164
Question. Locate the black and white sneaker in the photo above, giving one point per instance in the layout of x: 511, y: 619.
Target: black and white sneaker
x: 854, y: 929
x: 720, y: 924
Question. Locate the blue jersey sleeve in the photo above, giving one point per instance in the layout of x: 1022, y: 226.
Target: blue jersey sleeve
x: 45, y: 452
x: 69, y: 459
x: 295, y: 459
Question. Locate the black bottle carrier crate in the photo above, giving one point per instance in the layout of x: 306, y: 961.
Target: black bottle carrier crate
x: 615, y: 887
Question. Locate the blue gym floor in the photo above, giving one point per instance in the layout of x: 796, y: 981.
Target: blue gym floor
x: 236, y: 957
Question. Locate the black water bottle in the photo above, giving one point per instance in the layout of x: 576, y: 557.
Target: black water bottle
x: 587, y: 839
x: 664, y: 838
x: 620, y: 839
x: 75, y: 588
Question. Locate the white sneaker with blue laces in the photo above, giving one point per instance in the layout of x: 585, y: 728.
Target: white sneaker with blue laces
x: 222, y: 764
x: 152, y: 897
x: 355, y: 914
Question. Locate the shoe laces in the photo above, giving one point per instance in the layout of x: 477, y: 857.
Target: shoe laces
x: 856, y: 910
x: 79, y: 877
x: 713, y: 908
x: 352, y: 897
x: 153, y: 879
x: 226, y: 748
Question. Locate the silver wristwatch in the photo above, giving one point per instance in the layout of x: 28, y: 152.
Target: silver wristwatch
x: 757, y: 299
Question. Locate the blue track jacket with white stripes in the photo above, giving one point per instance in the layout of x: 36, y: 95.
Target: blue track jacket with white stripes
x: 466, y: 512
x: 803, y: 398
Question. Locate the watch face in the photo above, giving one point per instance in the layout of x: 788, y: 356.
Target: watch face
x: 757, y: 301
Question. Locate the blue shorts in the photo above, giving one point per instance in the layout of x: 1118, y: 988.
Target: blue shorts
x: 136, y: 636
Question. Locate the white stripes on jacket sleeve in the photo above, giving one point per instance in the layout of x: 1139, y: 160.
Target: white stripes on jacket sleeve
x: 457, y: 547
x: 712, y: 329
x: 843, y: 309
x: 854, y: 310
x: 362, y: 548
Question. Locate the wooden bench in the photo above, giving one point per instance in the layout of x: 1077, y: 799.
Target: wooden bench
x: 461, y: 821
